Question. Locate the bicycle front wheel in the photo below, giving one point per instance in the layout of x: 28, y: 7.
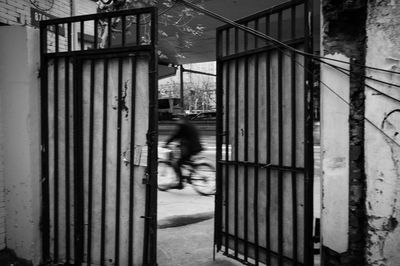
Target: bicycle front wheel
x: 166, y: 175
x: 203, y: 179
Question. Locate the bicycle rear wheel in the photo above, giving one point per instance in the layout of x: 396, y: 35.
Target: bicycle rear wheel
x: 166, y: 175
x: 203, y: 179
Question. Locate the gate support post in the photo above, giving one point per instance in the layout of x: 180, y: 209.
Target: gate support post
x: 343, y: 180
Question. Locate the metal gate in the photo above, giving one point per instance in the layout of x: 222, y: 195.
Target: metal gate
x: 264, y: 202
x: 99, y: 138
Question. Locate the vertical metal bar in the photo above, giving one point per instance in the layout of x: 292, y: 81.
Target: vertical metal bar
x: 118, y: 160
x: 67, y: 164
x: 150, y: 250
x: 236, y: 146
x: 227, y: 92
x: 78, y: 164
x: 56, y: 159
x: 132, y: 166
x: 109, y: 32
x: 69, y: 37
x: 256, y: 149
x: 293, y: 140
x: 104, y: 165
x: 181, y: 86
x: 82, y: 25
x: 138, y: 29
x: 56, y: 36
x: 45, y: 213
x: 308, y: 149
x: 280, y: 147
x: 219, y: 173
x: 268, y: 182
x: 96, y: 34
x: 90, y: 162
x: 123, y: 31
x: 246, y: 148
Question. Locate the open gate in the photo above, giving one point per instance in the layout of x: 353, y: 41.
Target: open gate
x: 264, y: 201
x: 99, y: 138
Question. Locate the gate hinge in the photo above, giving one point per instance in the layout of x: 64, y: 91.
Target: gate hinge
x: 39, y: 72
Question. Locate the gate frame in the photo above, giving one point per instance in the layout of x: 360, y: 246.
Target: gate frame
x: 308, y: 126
x: 150, y: 179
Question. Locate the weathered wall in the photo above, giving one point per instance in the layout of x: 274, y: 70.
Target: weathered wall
x: 18, y: 12
x: 382, y: 142
x: 19, y: 89
x: 335, y: 157
x: 2, y: 188
x: 343, y: 29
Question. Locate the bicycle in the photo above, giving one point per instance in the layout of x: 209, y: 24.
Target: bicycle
x: 196, y: 172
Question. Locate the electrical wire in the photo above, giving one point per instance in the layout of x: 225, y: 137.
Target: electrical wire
x: 269, y: 38
x: 342, y: 70
x: 280, y: 45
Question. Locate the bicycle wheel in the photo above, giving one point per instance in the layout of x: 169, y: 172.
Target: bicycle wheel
x: 203, y: 179
x: 166, y: 175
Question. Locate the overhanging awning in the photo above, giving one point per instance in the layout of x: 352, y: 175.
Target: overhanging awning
x: 203, y: 48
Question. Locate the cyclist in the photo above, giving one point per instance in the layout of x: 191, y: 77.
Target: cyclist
x: 189, y: 145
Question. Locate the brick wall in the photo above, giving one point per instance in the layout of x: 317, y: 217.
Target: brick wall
x: 18, y: 12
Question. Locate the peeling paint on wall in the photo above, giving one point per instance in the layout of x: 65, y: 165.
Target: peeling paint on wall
x: 383, y: 147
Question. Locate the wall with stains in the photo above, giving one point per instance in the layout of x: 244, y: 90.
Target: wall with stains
x: 335, y: 156
x: 19, y: 114
x: 382, y: 140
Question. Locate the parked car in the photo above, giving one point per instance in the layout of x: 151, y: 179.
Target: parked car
x: 205, y: 116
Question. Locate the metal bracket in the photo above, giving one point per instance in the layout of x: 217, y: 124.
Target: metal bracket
x: 150, y: 136
x: 146, y: 179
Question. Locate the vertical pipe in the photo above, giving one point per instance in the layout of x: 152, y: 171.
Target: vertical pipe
x: 256, y: 149
x: 308, y: 142
x: 118, y: 160
x: 56, y: 159
x: 90, y: 162
x: 67, y: 163
x: 293, y: 140
x: 236, y: 146
x: 104, y: 165
x: 82, y: 25
x: 227, y: 93
x: 246, y: 148
x: 45, y: 213
x: 131, y: 165
x: 280, y: 147
x: 268, y: 181
x: 78, y: 164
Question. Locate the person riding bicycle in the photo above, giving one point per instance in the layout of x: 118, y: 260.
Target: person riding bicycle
x: 190, y: 145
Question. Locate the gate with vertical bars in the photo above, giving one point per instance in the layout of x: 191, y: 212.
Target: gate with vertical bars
x: 264, y: 202
x: 99, y: 138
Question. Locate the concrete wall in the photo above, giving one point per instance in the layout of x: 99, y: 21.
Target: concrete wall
x: 19, y: 113
x: 382, y: 142
x: 335, y: 157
